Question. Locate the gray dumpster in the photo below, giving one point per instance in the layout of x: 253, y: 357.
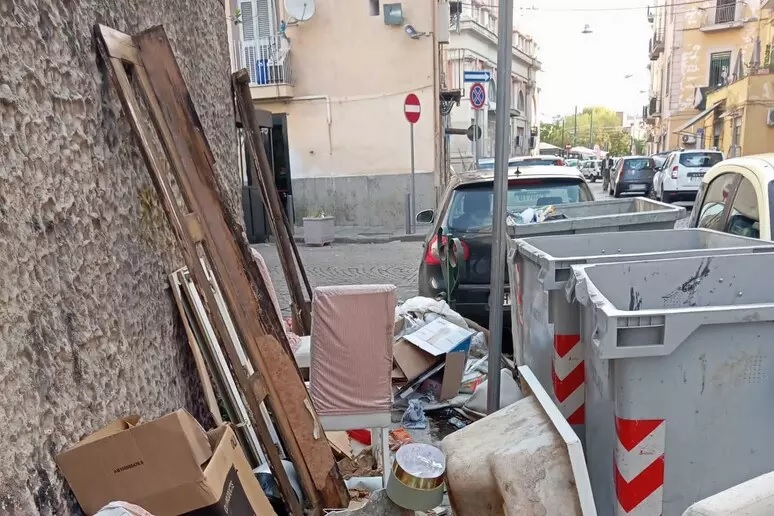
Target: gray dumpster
x: 628, y: 214
x: 631, y: 214
x: 550, y: 331
x: 680, y: 360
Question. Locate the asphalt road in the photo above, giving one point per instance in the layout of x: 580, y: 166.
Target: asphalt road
x: 355, y: 264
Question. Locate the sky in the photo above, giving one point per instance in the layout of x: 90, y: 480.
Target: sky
x: 588, y: 69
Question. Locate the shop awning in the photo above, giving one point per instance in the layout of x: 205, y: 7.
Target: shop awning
x: 700, y: 116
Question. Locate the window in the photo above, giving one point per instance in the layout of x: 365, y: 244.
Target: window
x: 725, y: 11
x: 744, y: 219
x: 700, y: 159
x: 714, y: 203
x: 736, y: 139
x: 720, y: 64
x: 471, y: 205
x: 373, y: 7
x: 520, y: 105
x: 668, y: 76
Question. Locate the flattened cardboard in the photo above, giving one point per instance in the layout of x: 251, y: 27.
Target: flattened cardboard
x: 418, y: 365
x: 163, y: 467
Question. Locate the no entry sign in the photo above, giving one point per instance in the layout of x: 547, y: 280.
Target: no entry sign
x: 412, y: 108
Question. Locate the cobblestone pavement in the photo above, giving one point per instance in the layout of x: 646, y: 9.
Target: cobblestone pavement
x: 351, y: 264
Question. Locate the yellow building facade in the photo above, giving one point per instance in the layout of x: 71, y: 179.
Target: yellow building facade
x: 705, y: 56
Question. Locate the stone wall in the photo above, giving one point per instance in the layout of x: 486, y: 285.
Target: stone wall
x: 88, y: 327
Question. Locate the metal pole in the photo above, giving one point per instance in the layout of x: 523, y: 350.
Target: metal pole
x: 564, y: 152
x: 408, y: 213
x: 502, y: 147
x: 476, y: 140
x: 413, y: 185
x: 575, y: 130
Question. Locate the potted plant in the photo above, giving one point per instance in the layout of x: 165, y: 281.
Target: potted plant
x: 319, y: 229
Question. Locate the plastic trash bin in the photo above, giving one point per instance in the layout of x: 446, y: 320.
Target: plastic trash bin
x: 550, y: 331
x: 631, y: 214
x: 680, y: 360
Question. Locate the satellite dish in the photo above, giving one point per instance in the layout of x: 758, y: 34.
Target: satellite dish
x: 300, y: 10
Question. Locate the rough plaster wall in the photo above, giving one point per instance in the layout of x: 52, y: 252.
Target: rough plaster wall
x: 88, y: 329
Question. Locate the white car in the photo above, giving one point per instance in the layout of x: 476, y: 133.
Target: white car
x: 592, y: 169
x: 679, y: 178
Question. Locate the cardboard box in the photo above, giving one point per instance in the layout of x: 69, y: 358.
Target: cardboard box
x: 439, y: 348
x: 168, y: 466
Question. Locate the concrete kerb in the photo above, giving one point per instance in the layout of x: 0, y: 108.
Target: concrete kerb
x: 371, y: 239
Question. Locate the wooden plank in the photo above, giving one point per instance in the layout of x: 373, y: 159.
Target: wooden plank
x: 194, y: 227
x: 263, y: 175
x: 119, y: 45
x: 153, y: 162
x: 201, y: 367
x: 243, y: 289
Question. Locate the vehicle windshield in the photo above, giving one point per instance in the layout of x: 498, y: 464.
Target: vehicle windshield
x: 638, y: 164
x: 700, y: 159
x: 522, y: 162
x: 470, y: 209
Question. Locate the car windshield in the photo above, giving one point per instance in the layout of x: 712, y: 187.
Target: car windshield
x: 700, y: 159
x: 533, y: 162
x: 471, y: 205
x: 638, y: 164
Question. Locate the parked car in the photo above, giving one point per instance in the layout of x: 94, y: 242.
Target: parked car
x: 678, y: 179
x: 525, y: 161
x: 660, y: 157
x: 632, y: 175
x: 465, y: 212
x: 592, y: 169
x: 572, y: 162
x: 735, y: 197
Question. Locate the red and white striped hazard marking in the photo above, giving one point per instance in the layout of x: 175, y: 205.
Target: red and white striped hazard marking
x: 639, y: 466
x: 569, y: 376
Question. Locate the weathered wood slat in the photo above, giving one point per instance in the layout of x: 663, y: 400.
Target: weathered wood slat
x: 258, y: 325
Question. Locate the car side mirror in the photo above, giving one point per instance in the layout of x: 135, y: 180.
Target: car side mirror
x: 426, y: 216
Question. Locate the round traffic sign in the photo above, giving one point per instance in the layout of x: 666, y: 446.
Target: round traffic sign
x: 412, y: 108
x: 477, y: 95
x: 473, y: 133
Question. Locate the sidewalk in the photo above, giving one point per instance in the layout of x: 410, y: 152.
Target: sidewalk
x: 369, y: 235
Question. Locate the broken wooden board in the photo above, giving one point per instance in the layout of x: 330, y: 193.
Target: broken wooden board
x: 263, y: 175
x: 258, y: 326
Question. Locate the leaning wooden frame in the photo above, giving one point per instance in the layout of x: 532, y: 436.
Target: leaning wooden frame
x: 204, y: 227
x: 263, y: 176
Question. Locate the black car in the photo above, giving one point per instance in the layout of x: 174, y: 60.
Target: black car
x: 466, y: 213
x: 632, y: 175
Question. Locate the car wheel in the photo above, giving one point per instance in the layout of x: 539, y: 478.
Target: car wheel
x: 616, y: 192
x: 665, y: 197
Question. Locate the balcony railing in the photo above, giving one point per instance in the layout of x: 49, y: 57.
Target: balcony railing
x: 266, y: 59
x: 723, y: 15
x: 656, y: 45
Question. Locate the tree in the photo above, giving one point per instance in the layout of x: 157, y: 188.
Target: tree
x: 594, y: 126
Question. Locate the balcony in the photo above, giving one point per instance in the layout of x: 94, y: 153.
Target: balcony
x: 654, y: 107
x: 725, y: 15
x: 267, y: 59
x: 656, y: 46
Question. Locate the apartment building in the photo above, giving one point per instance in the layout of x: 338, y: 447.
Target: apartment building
x: 473, y: 46
x: 697, y: 50
x: 334, y: 75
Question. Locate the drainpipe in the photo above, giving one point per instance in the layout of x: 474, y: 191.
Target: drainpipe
x: 329, y: 119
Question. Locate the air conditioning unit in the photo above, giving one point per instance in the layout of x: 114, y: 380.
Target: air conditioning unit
x: 689, y: 139
x: 770, y: 117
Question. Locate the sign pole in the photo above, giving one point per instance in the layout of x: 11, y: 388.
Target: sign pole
x: 502, y: 147
x: 411, y: 110
x: 413, y: 184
